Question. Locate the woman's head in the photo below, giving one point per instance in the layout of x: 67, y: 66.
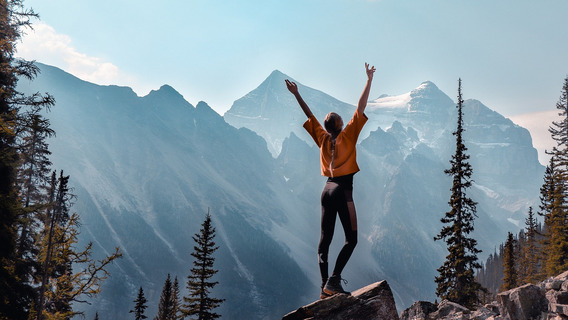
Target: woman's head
x: 333, y: 123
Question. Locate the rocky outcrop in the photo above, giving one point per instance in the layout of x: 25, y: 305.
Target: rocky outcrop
x: 546, y: 301
x: 526, y: 302
x: 372, y: 302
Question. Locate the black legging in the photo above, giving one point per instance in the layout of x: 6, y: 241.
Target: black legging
x: 337, y: 199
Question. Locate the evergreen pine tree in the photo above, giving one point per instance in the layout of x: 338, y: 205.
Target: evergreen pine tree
x: 456, y: 280
x: 529, y: 256
x: 15, y: 293
x: 200, y: 305
x: 167, y: 303
x: 509, y: 265
x: 139, y: 306
x: 68, y: 274
x: 56, y: 217
x: 177, y: 312
x: 33, y: 179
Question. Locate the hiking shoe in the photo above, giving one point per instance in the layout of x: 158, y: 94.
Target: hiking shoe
x: 324, y: 295
x: 333, y: 286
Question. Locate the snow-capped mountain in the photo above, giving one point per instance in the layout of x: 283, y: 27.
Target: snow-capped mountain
x: 272, y: 112
x: 146, y: 170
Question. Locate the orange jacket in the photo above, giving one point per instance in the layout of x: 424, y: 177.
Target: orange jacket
x: 345, y: 161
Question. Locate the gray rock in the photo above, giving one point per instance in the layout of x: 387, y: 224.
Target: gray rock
x: 563, y: 276
x: 418, y: 311
x: 522, y: 303
x: 560, y: 309
x: 372, y: 302
x: 555, y: 284
x: 564, y: 286
x: 557, y: 297
x: 493, y: 307
x: 448, y: 310
x: 483, y: 313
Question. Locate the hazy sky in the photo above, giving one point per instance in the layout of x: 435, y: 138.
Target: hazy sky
x: 510, y: 54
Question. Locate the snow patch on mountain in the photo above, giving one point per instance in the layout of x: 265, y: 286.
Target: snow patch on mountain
x: 390, y: 102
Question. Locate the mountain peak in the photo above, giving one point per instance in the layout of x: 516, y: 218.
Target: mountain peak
x: 276, y: 78
x: 277, y: 74
x: 428, y: 97
x: 425, y: 88
x: 167, y: 95
x: 165, y: 90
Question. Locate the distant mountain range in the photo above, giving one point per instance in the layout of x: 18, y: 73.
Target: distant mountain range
x: 147, y: 169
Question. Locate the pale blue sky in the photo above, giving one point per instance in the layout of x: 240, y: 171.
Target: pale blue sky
x: 510, y: 54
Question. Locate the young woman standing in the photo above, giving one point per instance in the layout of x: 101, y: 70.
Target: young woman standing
x: 339, y: 163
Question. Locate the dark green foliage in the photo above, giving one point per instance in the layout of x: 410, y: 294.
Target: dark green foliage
x: 543, y: 251
x: 456, y: 280
x: 553, y: 194
x: 16, y: 268
x: 176, y: 310
x: 166, y: 307
x: 509, y: 264
x: 526, y: 254
x: 200, y: 305
x: 529, y: 258
x: 41, y: 270
x: 139, y: 306
x: 33, y: 177
x: 55, y: 262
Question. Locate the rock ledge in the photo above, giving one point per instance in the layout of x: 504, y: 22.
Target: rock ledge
x: 374, y: 301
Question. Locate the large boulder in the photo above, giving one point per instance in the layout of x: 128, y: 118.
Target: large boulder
x: 372, y: 302
x: 522, y: 303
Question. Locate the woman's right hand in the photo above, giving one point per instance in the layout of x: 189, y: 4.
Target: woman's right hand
x: 292, y: 87
x: 370, y: 72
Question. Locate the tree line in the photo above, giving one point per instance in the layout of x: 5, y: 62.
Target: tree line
x: 502, y: 271
x: 538, y: 251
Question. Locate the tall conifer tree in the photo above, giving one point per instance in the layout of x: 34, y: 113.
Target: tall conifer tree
x: 177, y: 312
x: 139, y: 306
x: 200, y: 305
x: 68, y: 274
x: 456, y: 279
x: 166, y: 307
x: 15, y: 295
x: 33, y: 181
x: 509, y: 264
x: 529, y: 256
